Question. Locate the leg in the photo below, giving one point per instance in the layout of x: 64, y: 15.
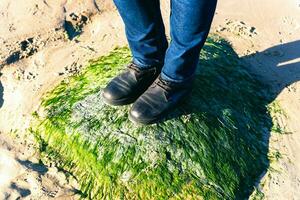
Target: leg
x: 146, y: 37
x: 145, y: 30
x: 190, y: 24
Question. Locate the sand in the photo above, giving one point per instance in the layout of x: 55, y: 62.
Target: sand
x: 36, y: 53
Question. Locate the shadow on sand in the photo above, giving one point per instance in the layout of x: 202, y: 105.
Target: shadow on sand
x: 278, y: 66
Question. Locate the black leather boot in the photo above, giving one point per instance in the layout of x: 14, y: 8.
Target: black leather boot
x: 159, y: 98
x: 129, y: 85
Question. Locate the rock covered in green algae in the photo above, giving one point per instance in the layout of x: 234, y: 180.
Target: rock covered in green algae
x: 213, y: 147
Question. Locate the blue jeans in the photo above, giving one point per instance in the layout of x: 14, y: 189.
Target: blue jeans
x: 190, y: 21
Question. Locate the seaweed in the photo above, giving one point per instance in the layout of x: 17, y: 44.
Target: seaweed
x: 214, y: 146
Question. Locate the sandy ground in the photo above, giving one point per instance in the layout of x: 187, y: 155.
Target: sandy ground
x: 36, y: 53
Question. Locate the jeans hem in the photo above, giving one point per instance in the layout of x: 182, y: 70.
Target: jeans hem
x: 165, y: 77
x: 141, y: 65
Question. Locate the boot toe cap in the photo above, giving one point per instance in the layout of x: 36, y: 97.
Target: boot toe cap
x: 141, y: 113
x: 109, y: 94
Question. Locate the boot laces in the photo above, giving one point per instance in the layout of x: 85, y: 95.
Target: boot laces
x: 134, y: 67
x: 165, y: 85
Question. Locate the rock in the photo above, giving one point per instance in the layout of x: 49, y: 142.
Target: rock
x: 213, y: 147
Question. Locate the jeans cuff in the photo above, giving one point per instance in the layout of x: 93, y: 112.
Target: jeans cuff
x: 168, y: 78
x: 142, y: 65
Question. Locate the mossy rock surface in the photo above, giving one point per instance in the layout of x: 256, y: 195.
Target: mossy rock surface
x: 212, y: 147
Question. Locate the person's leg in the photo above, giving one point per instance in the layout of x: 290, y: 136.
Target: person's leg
x: 145, y: 30
x: 190, y: 24
x: 146, y: 37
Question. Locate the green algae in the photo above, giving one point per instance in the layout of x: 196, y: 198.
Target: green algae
x: 214, y: 146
